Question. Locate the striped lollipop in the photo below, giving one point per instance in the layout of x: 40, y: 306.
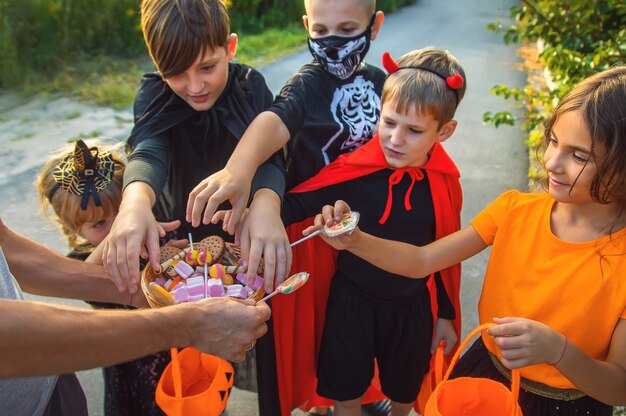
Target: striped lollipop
x: 293, y: 283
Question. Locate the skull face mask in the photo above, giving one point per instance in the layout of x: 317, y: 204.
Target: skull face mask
x: 341, y: 56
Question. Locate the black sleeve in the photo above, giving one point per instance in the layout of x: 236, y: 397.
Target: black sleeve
x: 149, y: 140
x: 271, y: 174
x: 445, y: 310
x: 290, y: 104
x: 148, y: 162
x: 302, y: 205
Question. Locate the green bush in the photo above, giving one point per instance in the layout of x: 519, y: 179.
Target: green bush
x: 579, y: 38
x: 40, y: 38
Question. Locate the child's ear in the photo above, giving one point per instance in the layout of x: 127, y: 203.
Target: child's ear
x: 231, y: 46
x: 305, y: 22
x: 446, y: 131
x: 378, y: 22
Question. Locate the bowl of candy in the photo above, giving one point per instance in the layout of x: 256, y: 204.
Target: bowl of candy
x: 209, y: 268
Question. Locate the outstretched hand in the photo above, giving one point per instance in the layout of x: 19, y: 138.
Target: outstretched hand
x: 525, y: 342
x: 331, y: 214
x: 206, y: 197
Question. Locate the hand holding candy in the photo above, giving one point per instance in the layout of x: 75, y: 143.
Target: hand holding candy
x: 347, y: 224
x: 290, y: 285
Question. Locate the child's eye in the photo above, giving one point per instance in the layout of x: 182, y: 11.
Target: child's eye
x: 99, y: 224
x: 415, y: 131
x: 552, y: 140
x: 579, y: 158
x: 207, y: 68
x: 389, y: 123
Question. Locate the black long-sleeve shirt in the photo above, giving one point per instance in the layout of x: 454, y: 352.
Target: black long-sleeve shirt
x: 368, y: 196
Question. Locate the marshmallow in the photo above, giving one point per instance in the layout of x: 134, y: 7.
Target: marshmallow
x: 160, y: 281
x: 237, y: 291
x: 195, y: 298
x: 241, y: 278
x: 183, y: 269
x: 216, y: 291
x: 258, y: 283
x: 180, y: 293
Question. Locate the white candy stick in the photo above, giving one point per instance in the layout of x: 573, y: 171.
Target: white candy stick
x: 306, y: 238
x: 234, y: 269
x: 206, y: 292
x: 190, y: 241
x: 274, y: 293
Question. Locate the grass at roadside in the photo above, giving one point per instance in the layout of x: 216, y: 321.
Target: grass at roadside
x: 112, y: 82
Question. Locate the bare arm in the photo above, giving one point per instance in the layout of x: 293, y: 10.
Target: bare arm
x: 264, y: 136
x: 71, y: 339
x: 43, y: 272
x: 401, y: 258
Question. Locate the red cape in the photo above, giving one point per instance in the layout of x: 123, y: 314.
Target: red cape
x: 299, y: 317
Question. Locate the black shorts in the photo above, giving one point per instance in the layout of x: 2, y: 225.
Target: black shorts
x: 359, y: 329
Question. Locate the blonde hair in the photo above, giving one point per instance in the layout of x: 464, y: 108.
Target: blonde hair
x: 66, y: 206
x: 369, y: 5
x: 178, y: 31
x: 428, y: 92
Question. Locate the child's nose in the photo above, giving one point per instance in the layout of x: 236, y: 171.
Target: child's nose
x: 397, y: 138
x: 196, y: 84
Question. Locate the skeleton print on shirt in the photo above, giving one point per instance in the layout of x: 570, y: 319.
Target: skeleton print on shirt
x: 355, y: 107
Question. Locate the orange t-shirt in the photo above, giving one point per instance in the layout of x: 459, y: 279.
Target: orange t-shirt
x: 578, y: 289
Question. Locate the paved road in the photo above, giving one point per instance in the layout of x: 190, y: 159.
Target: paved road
x: 490, y: 160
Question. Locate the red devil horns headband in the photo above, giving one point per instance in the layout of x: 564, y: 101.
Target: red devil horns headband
x: 454, y: 82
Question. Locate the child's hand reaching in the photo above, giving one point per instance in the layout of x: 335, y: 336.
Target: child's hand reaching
x: 525, y: 342
x: 444, y: 330
x: 330, y: 215
x: 212, y: 191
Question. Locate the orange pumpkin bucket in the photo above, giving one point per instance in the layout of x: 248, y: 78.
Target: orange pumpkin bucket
x: 432, y: 379
x: 194, y: 384
x: 467, y: 396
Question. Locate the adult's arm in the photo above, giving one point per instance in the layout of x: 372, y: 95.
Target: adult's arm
x: 41, y: 339
x: 41, y: 271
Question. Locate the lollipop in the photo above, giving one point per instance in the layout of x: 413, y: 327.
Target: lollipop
x: 290, y: 285
x: 346, y: 224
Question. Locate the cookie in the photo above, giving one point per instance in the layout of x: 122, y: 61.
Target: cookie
x: 168, y: 252
x: 214, y: 244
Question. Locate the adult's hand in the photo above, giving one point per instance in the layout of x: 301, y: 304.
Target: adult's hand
x: 227, y: 327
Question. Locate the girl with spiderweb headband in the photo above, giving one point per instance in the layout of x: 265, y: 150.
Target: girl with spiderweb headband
x: 82, y: 186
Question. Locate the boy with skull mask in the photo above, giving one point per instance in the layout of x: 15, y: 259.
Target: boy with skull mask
x: 331, y: 106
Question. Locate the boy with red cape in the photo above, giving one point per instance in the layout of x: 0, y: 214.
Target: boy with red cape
x: 423, y: 202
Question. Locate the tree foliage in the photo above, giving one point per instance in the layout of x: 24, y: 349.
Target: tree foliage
x: 577, y: 38
x: 46, y: 36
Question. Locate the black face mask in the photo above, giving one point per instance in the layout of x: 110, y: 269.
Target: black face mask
x: 341, y: 56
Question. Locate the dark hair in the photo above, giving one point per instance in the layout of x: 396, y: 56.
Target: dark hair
x: 428, y: 92
x: 601, y: 100
x: 178, y: 31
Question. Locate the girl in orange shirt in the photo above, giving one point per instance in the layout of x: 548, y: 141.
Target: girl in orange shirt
x: 555, y: 280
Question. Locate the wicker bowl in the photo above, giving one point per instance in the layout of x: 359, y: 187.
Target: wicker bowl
x: 149, y: 275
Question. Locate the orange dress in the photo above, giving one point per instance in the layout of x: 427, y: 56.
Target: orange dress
x: 578, y: 289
